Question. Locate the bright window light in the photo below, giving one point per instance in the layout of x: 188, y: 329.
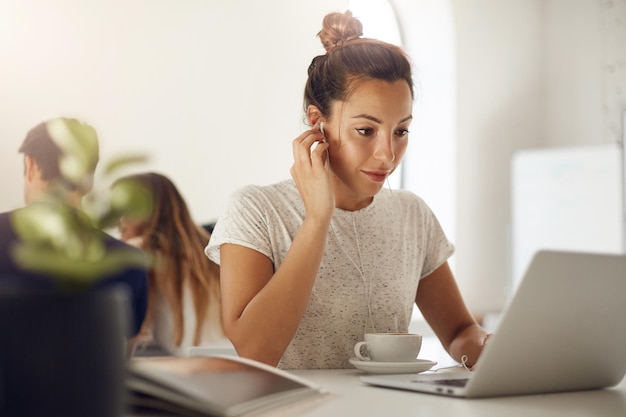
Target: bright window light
x: 379, y: 22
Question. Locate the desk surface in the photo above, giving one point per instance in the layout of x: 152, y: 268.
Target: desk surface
x: 350, y: 397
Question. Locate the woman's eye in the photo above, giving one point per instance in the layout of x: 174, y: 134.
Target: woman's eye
x: 366, y: 131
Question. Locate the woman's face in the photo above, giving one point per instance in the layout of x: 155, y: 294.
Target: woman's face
x: 129, y: 228
x: 368, y: 135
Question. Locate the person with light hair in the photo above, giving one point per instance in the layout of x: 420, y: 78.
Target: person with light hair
x: 183, y: 285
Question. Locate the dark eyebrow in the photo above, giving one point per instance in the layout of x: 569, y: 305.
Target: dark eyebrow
x: 375, y: 120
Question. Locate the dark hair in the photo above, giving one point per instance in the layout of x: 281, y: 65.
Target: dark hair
x: 40, y: 146
x: 350, y: 59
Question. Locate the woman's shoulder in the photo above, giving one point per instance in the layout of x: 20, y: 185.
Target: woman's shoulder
x: 265, y: 193
x: 282, y: 186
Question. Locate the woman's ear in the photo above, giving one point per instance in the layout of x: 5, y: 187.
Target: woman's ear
x: 314, y: 115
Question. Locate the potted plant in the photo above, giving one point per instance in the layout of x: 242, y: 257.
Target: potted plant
x: 62, y: 343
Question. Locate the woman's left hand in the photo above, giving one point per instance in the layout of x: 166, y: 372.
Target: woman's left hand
x: 482, y: 347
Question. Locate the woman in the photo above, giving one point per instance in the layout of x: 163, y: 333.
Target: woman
x: 183, y: 286
x: 311, y: 264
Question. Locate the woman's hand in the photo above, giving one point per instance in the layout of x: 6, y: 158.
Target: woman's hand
x: 310, y: 171
x: 486, y: 338
x: 440, y: 301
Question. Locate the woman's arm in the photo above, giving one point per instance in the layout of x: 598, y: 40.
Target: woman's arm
x: 439, y: 299
x: 262, y: 308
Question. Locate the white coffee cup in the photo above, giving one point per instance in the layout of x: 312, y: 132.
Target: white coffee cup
x: 389, y: 347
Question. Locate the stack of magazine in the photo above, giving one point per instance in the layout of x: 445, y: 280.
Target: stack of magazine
x: 216, y: 386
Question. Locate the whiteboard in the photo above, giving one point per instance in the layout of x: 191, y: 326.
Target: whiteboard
x: 569, y: 198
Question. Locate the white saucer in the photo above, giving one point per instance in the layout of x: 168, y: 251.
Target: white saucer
x: 371, y: 367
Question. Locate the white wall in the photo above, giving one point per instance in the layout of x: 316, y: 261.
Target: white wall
x: 585, y: 71
x: 532, y: 73
x: 211, y: 89
x: 499, y: 44
x: 573, y: 73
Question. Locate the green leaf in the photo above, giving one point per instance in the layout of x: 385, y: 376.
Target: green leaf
x: 81, y: 271
x: 66, y: 243
x: 79, y: 144
x: 131, y: 198
x: 41, y: 224
x: 120, y: 162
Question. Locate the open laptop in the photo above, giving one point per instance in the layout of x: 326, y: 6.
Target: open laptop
x: 564, y: 330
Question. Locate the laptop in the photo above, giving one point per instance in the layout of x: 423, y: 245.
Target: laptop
x: 564, y: 330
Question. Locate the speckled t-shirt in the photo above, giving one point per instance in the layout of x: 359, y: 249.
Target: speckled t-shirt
x: 369, y: 274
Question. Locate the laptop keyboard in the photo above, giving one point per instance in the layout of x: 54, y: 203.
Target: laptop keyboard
x: 457, y: 382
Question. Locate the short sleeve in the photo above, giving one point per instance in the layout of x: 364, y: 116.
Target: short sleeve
x: 243, y: 222
x: 437, y: 246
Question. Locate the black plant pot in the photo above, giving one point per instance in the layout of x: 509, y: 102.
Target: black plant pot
x: 63, y: 354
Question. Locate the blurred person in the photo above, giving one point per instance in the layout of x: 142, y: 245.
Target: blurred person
x: 184, y: 292
x: 43, y: 177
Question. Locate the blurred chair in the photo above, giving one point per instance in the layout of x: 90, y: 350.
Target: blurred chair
x: 209, y: 226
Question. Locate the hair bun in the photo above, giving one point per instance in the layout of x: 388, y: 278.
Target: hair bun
x: 338, y: 28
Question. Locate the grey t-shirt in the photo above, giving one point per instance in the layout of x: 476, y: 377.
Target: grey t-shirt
x: 369, y: 274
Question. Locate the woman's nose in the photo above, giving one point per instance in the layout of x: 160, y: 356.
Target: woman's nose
x: 384, y: 148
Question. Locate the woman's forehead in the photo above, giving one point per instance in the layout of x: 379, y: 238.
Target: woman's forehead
x: 377, y: 99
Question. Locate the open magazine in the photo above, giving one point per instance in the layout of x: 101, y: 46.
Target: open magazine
x: 220, y: 385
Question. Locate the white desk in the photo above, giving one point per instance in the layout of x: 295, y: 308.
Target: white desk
x: 350, y: 397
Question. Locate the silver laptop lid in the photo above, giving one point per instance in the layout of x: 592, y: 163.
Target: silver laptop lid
x: 564, y: 330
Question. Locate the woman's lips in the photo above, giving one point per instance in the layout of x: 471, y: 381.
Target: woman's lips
x: 377, y: 176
